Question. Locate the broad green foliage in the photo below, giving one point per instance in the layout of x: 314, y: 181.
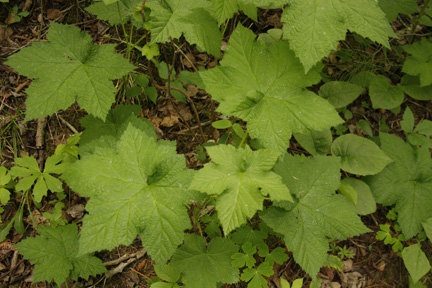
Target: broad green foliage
x: 411, y: 86
x: 268, y: 4
x: 246, y: 258
x: 264, y: 85
x: 106, y: 133
x: 136, y: 187
x: 340, y: 93
x: 318, y: 211
x: 191, y: 18
x: 384, y: 95
x: 167, y: 273
x: 365, y: 201
x: 314, y: 27
x: 255, y: 275
x: 419, y: 63
x: 29, y: 169
x: 55, y: 253
x: 224, y: 9
x: 110, y: 12
x: 315, y: 142
x: 240, y: 178
x: 66, y: 68
x: 205, y: 266
x: 246, y: 234
x: 406, y: 183
x: 416, y: 262
x: 359, y: 155
x: 427, y: 225
x: 420, y: 135
x: 392, y: 8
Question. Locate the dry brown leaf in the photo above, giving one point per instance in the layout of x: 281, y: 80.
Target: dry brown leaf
x: 53, y: 14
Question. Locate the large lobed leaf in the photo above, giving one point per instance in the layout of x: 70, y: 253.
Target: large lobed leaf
x: 419, y: 63
x: 205, y: 266
x: 265, y: 85
x: 66, y: 68
x: 136, y: 187
x: 191, y: 18
x: 55, y: 253
x: 406, y: 183
x: 240, y: 178
x: 314, y: 27
x: 318, y: 213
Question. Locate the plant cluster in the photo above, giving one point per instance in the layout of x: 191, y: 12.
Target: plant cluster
x: 213, y: 226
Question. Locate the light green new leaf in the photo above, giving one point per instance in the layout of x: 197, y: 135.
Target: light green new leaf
x: 340, y: 93
x: 246, y: 258
x: 420, y: 61
x: 359, y: 155
x: 6, y: 183
x: 205, y: 266
x: 240, y: 178
x: 314, y: 27
x: 29, y: 169
x: 66, y: 68
x: 137, y: 187
x: 392, y: 8
x: 383, y: 95
x: 407, y: 124
x: 416, y: 262
x: 318, y: 213
x: 110, y: 12
x: 265, y: 85
x: 55, y: 253
x: 407, y: 182
x: 191, y: 18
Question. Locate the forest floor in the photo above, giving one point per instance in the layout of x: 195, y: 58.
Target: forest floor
x: 373, y: 264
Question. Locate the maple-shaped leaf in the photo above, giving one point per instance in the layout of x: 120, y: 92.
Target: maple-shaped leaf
x: 318, y: 212
x: 265, y: 85
x: 225, y: 9
x: 55, y: 255
x: 66, y: 68
x: 246, y: 258
x: 191, y: 18
x: 255, y: 276
x: 117, y: 13
x: 106, y: 133
x: 315, y: 27
x: 406, y: 183
x: 136, y: 187
x: 240, y: 178
x: 419, y: 63
x: 28, y: 168
x: 205, y: 266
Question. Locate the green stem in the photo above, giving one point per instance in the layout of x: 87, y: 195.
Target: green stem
x: 243, y: 139
x: 416, y: 20
x: 123, y: 27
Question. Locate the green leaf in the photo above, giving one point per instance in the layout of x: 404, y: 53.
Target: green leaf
x: 424, y: 127
x: 222, y: 124
x: 315, y: 27
x: 106, y: 133
x: 411, y: 86
x: 415, y: 261
x: 392, y: 8
x: 205, y: 266
x: 333, y: 262
x: 67, y: 68
x: 55, y: 253
x: 255, y: 275
x: 359, y: 155
x: 406, y: 183
x: 340, y: 93
x: 278, y: 255
x: 407, y: 123
x: 116, y: 13
x: 240, y: 178
x: 28, y: 167
x: 6, y: 183
x: 246, y: 234
x: 318, y: 213
x: 264, y: 85
x: 315, y: 142
x: 225, y: 9
x: 138, y: 186
x: 384, y: 95
x: 167, y: 272
x: 349, y: 192
x: 420, y: 61
x: 191, y: 18
x: 427, y: 225
x: 365, y: 201
x: 268, y: 4
x: 247, y: 258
